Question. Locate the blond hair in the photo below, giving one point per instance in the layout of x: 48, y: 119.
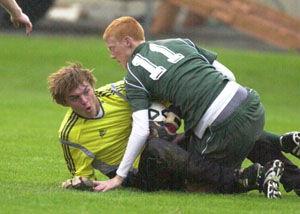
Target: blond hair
x: 68, y: 78
x: 124, y: 26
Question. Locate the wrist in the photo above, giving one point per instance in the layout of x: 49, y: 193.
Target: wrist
x: 16, y: 13
x: 12, y: 8
x: 119, y: 178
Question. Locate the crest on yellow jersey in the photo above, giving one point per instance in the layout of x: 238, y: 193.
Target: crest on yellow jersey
x: 102, y: 133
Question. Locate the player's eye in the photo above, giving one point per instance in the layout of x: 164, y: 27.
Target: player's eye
x: 86, y: 91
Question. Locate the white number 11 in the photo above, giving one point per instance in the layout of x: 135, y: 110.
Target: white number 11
x: 156, y: 71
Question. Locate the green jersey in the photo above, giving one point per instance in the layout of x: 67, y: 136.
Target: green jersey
x: 177, y: 71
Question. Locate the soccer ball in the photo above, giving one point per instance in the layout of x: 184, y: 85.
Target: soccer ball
x: 157, y: 112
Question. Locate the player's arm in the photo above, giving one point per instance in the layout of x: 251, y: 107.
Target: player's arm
x: 16, y: 14
x: 138, y: 99
x: 11, y: 7
x: 81, y: 169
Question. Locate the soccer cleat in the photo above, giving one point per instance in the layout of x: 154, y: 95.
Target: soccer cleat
x: 290, y: 143
x: 269, y: 179
x: 247, y: 178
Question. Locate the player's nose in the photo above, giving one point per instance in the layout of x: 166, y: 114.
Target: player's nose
x: 83, y: 99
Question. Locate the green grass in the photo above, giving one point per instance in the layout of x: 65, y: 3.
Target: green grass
x: 32, y: 165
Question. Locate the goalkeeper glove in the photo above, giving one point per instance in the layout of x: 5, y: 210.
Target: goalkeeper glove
x: 79, y: 183
x: 174, y: 116
x: 158, y: 129
x: 167, y: 129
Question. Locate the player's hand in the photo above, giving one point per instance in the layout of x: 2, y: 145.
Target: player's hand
x: 22, y: 18
x: 103, y: 186
x: 166, y: 129
x: 162, y: 130
x: 79, y: 183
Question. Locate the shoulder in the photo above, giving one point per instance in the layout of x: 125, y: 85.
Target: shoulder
x: 106, y: 87
x: 111, y: 89
x: 119, y: 86
x: 69, y: 121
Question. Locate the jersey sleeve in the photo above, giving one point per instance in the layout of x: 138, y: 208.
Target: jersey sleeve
x: 209, y: 55
x: 136, y: 93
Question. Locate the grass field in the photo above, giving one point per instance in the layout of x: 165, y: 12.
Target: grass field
x: 32, y: 165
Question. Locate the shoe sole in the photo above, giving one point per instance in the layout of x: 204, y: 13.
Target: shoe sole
x: 271, y: 182
x: 296, y: 150
x: 273, y: 191
x: 296, y: 138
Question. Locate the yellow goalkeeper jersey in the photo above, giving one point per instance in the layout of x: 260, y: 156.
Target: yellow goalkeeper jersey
x: 99, y: 143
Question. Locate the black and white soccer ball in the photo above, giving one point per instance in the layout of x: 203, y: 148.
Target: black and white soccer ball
x: 157, y: 112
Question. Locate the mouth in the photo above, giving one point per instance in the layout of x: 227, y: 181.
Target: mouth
x: 89, y: 109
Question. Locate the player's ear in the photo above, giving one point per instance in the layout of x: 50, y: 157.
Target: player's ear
x: 64, y: 102
x: 128, y: 41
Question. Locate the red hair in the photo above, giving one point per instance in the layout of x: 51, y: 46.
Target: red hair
x: 124, y: 26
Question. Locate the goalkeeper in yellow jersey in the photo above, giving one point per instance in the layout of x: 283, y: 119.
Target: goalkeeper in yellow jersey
x: 95, y: 132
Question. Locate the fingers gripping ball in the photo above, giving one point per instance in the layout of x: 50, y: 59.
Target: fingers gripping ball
x: 158, y: 129
x: 174, y: 116
x: 79, y: 183
x: 163, y: 123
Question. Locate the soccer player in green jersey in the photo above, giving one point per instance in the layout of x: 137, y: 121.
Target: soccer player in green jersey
x: 223, y: 118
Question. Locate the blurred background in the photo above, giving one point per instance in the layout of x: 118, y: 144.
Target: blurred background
x: 32, y: 164
x: 255, y: 24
